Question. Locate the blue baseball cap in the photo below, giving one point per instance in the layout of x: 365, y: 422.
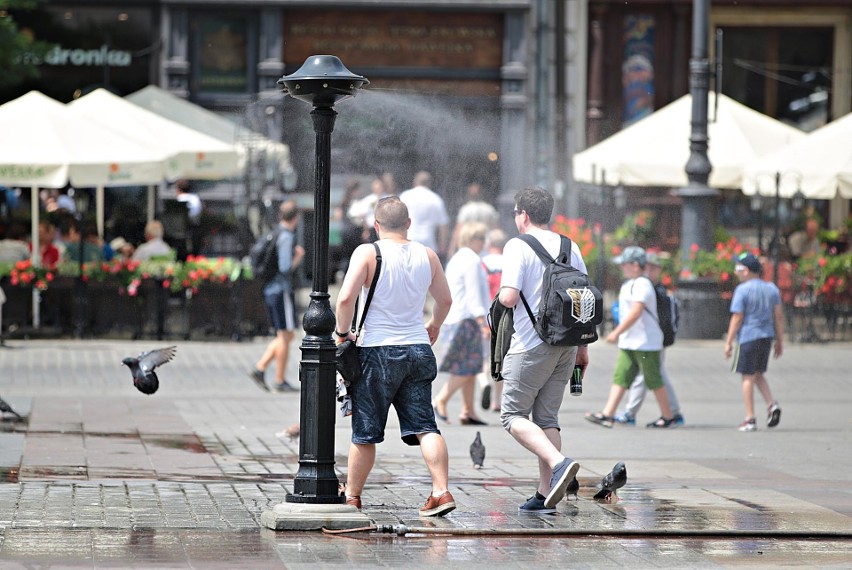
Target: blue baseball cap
x: 750, y: 262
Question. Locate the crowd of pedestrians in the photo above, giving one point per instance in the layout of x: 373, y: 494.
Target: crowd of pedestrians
x: 441, y: 282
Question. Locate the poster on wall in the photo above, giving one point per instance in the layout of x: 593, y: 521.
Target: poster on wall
x: 637, y: 68
x: 223, y: 62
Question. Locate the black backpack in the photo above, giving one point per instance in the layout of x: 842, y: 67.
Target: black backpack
x: 571, y: 307
x: 667, y: 313
x: 264, y: 256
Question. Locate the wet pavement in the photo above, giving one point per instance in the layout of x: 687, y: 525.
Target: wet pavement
x: 102, y: 476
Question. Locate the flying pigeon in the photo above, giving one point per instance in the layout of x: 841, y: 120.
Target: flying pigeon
x: 611, y: 482
x: 572, y: 488
x: 477, y: 451
x: 142, y: 368
x: 5, y: 408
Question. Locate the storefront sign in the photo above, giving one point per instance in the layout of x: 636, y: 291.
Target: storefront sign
x: 88, y: 57
x: 396, y: 38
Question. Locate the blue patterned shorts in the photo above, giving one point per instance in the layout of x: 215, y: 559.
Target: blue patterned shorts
x: 399, y: 375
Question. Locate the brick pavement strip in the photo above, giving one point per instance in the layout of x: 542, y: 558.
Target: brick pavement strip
x: 100, y: 464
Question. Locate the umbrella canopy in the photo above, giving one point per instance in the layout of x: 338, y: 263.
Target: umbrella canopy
x: 820, y: 165
x: 179, y: 110
x: 654, y: 150
x: 45, y: 145
x: 191, y: 154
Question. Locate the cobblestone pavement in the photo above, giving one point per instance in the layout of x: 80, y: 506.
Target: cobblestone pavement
x: 100, y: 475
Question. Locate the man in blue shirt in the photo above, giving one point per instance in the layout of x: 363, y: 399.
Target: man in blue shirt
x: 279, y: 295
x: 756, y: 319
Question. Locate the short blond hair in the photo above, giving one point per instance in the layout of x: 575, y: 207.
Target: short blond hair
x: 471, y: 231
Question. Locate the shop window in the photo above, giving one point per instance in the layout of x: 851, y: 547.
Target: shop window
x: 783, y: 72
x: 91, y: 47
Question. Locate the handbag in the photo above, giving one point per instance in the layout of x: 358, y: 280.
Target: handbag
x: 347, y: 358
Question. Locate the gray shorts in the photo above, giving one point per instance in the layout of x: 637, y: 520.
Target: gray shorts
x: 534, y: 384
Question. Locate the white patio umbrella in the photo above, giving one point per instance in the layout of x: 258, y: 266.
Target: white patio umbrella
x: 159, y: 101
x: 191, y: 154
x: 654, y: 150
x: 44, y: 145
x: 820, y: 165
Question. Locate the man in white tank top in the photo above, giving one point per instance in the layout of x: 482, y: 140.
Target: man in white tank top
x: 397, y: 363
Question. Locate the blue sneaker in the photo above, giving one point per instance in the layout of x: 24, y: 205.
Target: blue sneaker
x: 534, y: 505
x: 624, y: 419
x: 562, y: 476
x: 678, y: 420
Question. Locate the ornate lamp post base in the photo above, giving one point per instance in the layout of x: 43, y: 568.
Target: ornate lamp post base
x: 296, y: 516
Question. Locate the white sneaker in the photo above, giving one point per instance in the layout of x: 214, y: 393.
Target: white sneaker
x: 749, y: 425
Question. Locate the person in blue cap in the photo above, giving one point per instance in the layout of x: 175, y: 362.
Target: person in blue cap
x: 756, y: 321
x: 640, y: 342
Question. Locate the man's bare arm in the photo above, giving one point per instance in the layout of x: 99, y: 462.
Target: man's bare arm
x: 356, y: 277
x: 440, y: 291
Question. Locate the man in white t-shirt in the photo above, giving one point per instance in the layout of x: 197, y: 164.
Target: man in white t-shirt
x: 535, y: 373
x: 640, y: 341
x: 429, y: 219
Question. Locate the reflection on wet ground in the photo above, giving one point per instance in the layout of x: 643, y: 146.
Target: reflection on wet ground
x: 266, y: 549
x: 102, y: 477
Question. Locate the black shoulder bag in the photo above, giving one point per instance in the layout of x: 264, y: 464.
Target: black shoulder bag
x: 348, y: 361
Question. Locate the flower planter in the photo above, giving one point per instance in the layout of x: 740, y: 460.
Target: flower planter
x: 704, y: 313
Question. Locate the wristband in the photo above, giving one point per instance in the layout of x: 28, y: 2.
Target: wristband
x: 341, y: 334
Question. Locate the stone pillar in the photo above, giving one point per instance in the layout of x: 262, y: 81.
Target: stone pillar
x: 594, y: 110
x: 270, y: 65
x: 175, y: 57
x: 514, y: 165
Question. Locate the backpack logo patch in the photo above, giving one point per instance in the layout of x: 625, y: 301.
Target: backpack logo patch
x: 583, y: 306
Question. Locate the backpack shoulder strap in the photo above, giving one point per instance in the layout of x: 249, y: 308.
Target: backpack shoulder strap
x: 372, y: 290
x: 654, y: 288
x: 564, y: 249
x: 536, y: 247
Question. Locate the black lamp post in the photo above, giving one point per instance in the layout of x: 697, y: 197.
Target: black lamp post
x: 757, y: 204
x: 322, y: 81
x: 698, y: 211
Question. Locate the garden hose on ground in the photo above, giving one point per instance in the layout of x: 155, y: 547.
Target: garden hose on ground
x: 403, y: 530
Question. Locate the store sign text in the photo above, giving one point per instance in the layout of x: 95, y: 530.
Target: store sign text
x: 88, y: 57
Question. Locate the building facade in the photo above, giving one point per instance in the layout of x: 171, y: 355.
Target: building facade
x: 499, y: 92
x: 789, y: 60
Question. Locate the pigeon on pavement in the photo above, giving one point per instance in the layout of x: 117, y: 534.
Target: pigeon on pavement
x: 142, y: 368
x: 477, y: 451
x: 5, y: 408
x: 611, y: 482
x: 572, y: 489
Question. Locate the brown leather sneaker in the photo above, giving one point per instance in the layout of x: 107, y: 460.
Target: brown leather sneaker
x: 438, y: 506
x: 355, y: 501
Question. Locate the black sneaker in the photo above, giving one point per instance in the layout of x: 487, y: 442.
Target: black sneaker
x: 258, y: 377
x: 774, y: 415
x: 534, y: 505
x: 562, y: 476
x: 284, y: 387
